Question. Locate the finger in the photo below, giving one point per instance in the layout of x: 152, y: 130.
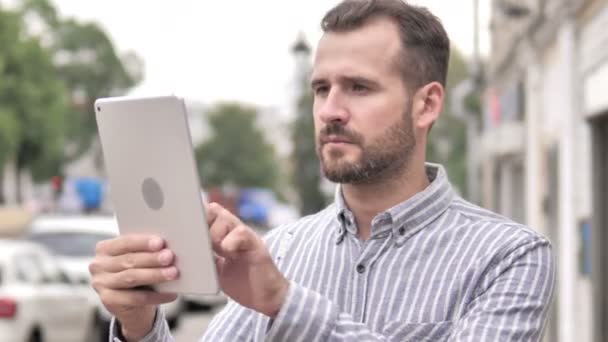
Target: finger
x: 129, y: 244
x: 134, y: 297
x: 220, y: 263
x: 132, y: 260
x: 131, y: 278
x: 213, y: 209
x: 240, y: 239
x: 222, y: 225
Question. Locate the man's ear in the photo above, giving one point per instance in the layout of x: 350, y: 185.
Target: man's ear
x: 427, y: 105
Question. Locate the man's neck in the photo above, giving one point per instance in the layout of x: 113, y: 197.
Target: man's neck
x: 368, y: 200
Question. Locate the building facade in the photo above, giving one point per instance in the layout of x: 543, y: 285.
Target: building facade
x: 545, y: 145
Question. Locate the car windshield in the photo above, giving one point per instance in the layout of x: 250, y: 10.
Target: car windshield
x: 71, y: 244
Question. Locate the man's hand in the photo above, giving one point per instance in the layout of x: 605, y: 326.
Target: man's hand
x: 246, y: 271
x: 124, y: 264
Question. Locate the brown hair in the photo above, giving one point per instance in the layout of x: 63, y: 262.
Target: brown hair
x: 425, y: 44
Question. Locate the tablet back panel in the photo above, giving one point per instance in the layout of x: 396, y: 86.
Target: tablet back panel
x: 154, y: 184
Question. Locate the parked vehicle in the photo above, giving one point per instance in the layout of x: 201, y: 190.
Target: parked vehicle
x: 37, y: 301
x: 73, y: 239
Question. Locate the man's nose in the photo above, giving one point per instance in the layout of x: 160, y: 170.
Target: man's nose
x: 333, y: 108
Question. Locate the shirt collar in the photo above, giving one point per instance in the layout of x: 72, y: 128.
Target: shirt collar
x: 406, y: 218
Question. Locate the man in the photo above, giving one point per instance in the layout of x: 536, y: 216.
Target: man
x: 397, y: 257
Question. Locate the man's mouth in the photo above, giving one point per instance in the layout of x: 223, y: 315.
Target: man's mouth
x: 335, y: 139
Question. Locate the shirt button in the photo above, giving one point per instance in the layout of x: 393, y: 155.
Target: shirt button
x: 402, y: 231
x: 360, y: 268
x: 382, y: 236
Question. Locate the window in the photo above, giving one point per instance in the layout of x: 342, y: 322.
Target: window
x: 585, y: 255
x: 29, y: 269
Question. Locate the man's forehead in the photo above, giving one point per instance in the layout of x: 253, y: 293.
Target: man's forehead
x: 381, y: 33
x: 374, y: 46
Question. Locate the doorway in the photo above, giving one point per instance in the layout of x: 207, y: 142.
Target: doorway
x: 599, y: 127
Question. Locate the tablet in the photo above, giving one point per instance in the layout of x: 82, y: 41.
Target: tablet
x: 154, y: 183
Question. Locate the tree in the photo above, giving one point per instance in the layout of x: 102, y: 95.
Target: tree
x: 87, y: 63
x: 32, y: 101
x: 237, y: 154
x: 307, y: 171
x: 90, y: 68
x: 49, y: 80
x: 447, y: 140
x: 306, y: 167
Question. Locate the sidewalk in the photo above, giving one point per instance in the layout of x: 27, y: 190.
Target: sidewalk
x: 13, y: 221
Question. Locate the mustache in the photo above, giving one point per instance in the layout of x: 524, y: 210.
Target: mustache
x: 339, y: 130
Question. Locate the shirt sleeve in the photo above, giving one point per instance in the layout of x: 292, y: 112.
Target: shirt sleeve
x: 512, y: 306
x: 160, y: 330
x: 233, y: 323
x: 514, y: 299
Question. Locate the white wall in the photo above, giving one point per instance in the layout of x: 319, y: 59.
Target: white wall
x: 562, y: 124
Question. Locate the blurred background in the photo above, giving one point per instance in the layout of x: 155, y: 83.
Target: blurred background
x: 524, y: 133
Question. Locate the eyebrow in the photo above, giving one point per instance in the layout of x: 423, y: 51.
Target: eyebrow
x: 344, y: 79
x: 315, y: 82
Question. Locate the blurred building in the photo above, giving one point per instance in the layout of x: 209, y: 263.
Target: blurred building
x: 544, y: 150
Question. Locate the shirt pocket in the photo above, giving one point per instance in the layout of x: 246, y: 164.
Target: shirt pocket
x: 418, y: 332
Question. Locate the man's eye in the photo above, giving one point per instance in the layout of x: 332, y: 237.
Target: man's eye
x: 321, y: 90
x: 359, y: 88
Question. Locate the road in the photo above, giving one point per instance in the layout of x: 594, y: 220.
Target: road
x: 192, y: 326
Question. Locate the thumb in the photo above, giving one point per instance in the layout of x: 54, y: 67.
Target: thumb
x: 240, y: 239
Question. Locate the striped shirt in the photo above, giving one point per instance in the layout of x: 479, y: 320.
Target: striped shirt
x: 435, y: 268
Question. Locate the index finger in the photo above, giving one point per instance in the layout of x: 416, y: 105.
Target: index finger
x: 130, y: 243
x: 213, y: 210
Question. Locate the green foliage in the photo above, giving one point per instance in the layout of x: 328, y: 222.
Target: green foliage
x: 88, y: 65
x: 9, y: 133
x: 32, y: 100
x: 90, y: 68
x: 307, y: 171
x: 48, y: 84
x: 43, y: 9
x: 9, y: 126
x: 237, y: 154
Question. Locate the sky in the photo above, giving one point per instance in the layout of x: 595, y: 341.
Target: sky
x: 236, y: 50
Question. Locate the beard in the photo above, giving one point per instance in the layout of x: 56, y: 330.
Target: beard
x: 380, y: 159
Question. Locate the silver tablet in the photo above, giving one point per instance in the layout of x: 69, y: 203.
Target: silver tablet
x: 154, y: 184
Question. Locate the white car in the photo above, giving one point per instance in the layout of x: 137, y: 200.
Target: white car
x: 37, y: 301
x: 73, y: 239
